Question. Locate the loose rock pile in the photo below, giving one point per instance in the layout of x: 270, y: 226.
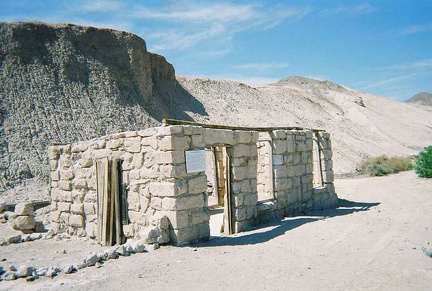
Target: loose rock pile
x: 93, y: 259
x: 22, y: 219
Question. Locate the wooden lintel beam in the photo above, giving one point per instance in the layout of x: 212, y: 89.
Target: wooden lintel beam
x: 167, y: 121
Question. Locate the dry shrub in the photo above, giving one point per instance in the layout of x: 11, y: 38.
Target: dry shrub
x: 383, y: 165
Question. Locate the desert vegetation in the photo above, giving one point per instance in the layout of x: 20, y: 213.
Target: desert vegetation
x: 423, y: 163
x: 384, y: 165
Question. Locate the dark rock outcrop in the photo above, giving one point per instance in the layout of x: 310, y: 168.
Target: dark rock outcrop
x: 63, y: 83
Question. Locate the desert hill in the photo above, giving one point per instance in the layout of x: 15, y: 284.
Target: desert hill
x: 422, y: 98
x: 63, y: 83
x: 361, y: 124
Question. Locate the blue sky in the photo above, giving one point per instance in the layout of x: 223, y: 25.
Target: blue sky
x: 383, y: 47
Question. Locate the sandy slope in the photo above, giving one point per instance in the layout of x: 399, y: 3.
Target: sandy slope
x: 361, y: 125
x: 373, y: 241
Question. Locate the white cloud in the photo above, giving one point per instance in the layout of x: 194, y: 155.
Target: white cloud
x: 185, y: 24
x: 423, y: 64
x: 392, y: 80
x: 100, y: 6
x: 413, y: 29
x: 351, y: 10
x: 262, y: 66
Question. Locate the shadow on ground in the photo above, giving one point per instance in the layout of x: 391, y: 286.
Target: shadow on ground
x: 276, y: 228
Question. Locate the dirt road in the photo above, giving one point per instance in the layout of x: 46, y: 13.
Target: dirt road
x: 373, y: 241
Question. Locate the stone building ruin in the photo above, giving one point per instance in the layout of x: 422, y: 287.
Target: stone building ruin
x: 165, y: 182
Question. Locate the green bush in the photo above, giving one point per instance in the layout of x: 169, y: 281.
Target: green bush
x: 423, y: 163
x: 383, y: 165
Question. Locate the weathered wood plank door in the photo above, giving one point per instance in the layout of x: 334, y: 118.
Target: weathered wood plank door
x: 109, y: 206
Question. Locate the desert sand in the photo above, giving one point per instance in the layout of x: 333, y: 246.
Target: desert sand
x: 372, y: 241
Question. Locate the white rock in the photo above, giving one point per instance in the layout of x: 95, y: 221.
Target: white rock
x: 24, y: 209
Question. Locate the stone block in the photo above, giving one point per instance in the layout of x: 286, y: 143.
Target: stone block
x: 309, y: 145
x: 137, y: 217
x: 147, y: 132
x: 128, y: 230
x: 91, y: 230
x: 280, y: 171
x: 201, y: 216
x: 168, y: 143
x: 197, y: 141
x: 67, y: 175
x: 63, y: 206
x: 76, y: 221
x: 178, y: 219
x: 173, y: 171
x: 77, y: 208
x: 53, y: 164
x: 132, y: 144
x: 144, y: 173
x: 240, y: 173
x: 133, y: 201
x: 291, y: 144
x: 240, y: 214
x: 144, y: 203
x: 156, y: 203
x: 154, y: 234
x: 149, y: 143
x: 278, y: 160
x: 114, y: 144
x: 189, y: 202
x: 241, y: 150
x: 55, y: 175
x: 300, y: 146
x: 250, y: 199
x: 65, y: 185
x: 163, y: 189
x: 328, y: 165
x: 80, y: 184
x: 325, y: 135
x: 296, y: 158
x: 170, y: 157
x: 197, y: 185
x: 279, y: 146
x: 251, y: 212
x: 24, y: 222
x: 292, y: 198
x: 90, y: 197
x: 282, y: 184
x: 218, y: 136
x: 86, y: 162
x: 246, y: 186
x: 329, y: 176
x: 191, y: 130
x: 79, y: 147
x: 189, y: 234
x: 278, y: 134
x: 89, y: 209
x: 255, y: 136
x: 239, y: 199
x: 242, y: 136
x: 24, y: 209
x: 236, y: 162
x: 169, y: 130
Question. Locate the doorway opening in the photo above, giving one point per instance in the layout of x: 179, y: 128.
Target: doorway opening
x: 218, y: 171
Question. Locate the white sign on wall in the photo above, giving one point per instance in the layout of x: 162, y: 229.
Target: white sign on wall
x: 195, y: 161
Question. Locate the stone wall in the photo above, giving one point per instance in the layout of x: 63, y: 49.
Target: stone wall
x: 292, y: 159
x: 158, y: 185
